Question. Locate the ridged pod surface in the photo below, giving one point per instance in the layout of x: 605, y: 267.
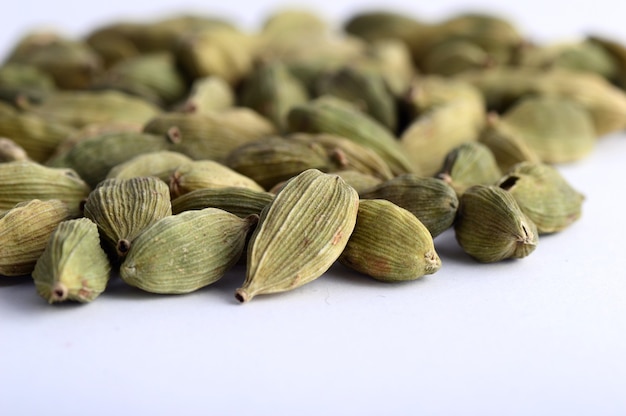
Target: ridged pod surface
x: 490, y: 225
x: 24, y: 180
x: 73, y: 266
x: 239, y: 201
x: 24, y: 233
x: 184, y: 252
x: 300, y: 234
x: 123, y: 208
x: 390, y: 244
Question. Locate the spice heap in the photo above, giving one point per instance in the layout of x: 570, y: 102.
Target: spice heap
x: 168, y: 151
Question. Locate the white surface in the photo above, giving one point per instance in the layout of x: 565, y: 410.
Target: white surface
x: 545, y: 335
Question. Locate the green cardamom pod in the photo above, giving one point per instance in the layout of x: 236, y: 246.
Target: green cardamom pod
x: 73, y: 266
x: 431, y: 200
x: 490, y: 226
x: 123, y: 208
x: 544, y: 196
x: 300, y: 234
x: 24, y: 233
x: 184, y: 252
x: 390, y: 244
x: 242, y: 202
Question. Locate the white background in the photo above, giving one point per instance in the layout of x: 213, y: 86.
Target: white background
x: 545, y: 335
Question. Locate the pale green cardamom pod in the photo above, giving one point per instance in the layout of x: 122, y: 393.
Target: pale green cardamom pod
x: 184, y: 252
x: 73, y: 266
x: 346, y: 154
x: 25, y: 180
x: 432, y: 135
x: 506, y: 143
x: 557, y: 129
x: 161, y: 164
x: 544, y: 196
x: 151, y: 76
x: 24, y: 233
x: 272, y: 91
x: 335, y: 116
x: 200, y: 174
x: 93, y: 158
x: 275, y: 159
x: 390, y: 244
x: 207, y: 95
x: 361, y: 182
x: 80, y: 108
x: 227, y: 130
x: 300, y: 234
x: 239, y: 201
x: 431, y: 200
x: 469, y: 164
x: 490, y: 226
x: 366, y: 89
x: 123, y: 208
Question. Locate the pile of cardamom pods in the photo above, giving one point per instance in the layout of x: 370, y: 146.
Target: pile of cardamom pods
x: 166, y: 152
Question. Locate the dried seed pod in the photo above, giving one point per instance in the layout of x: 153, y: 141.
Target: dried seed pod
x: 223, y: 52
x: 334, y: 116
x: 293, y: 23
x: 496, y: 35
x: 81, y: 108
x: 490, y: 226
x: 25, y: 180
x: 24, y: 233
x: 25, y: 77
x: 208, y: 95
x: 606, y: 104
x: 617, y: 51
x: 558, y: 130
x: 242, y: 202
x: 211, y: 136
x: 153, y: 77
x: 431, y: 200
x: 93, y: 158
x: 361, y: 182
x: 429, y: 92
x: 156, y: 36
x: 390, y: 244
x: 506, y: 143
x: 37, y: 136
x: 346, y: 154
x: 365, y: 89
x: 273, y: 91
x: 454, y: 56
x: 544, y: 196
x: 92, y: 130
x: 11, y: 151
x: 300, y: 234
x: 433, y: 135
x: 161, y: 164
x: 184, y: 252
x: 391, y: 58
x: 72, y: 64
x: 274, y: 159
x: 73, y: 266
x: 469, y: 164
x: 123, y: 208
x: 202, y: 174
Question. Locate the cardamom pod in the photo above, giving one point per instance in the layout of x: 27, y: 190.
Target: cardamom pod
x: 390, y: 244
x: 123, y: 208
x: 300, y: 234
x: 184, y: 252
x: 73, y: 266
x: 490, y: 226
